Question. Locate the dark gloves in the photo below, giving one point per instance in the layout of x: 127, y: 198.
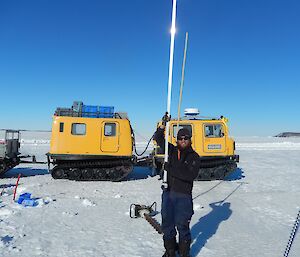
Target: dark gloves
x: 166, y: 118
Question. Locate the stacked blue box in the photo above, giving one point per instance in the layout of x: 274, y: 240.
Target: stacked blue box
x: 94, y: 111
x: 106, y: 111
x: 89, y: 111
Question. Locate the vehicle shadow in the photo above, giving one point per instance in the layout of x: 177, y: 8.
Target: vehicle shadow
x: 7, y: 185
x: 237, y: 174
x: 25, y: 172
x: 208, y: 225
x: 139, y: 173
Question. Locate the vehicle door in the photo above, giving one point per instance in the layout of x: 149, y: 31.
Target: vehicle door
x: 110, y: 137
x: 214, y: 138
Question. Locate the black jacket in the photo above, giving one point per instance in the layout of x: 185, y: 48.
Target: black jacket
x: 181, y: 173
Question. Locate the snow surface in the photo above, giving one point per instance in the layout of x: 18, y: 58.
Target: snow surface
x: 250, y: 214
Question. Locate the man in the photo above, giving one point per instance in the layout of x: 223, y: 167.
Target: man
x: 177, y: 204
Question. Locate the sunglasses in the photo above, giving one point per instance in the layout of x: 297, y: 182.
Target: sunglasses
x: 183, y: 138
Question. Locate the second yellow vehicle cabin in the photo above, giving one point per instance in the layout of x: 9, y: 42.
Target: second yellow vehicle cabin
x: 90, y: 143
x: 101, y: 137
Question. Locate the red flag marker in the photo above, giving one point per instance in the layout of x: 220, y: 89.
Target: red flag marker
x: 15, y: 191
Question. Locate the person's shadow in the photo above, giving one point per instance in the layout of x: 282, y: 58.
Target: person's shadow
x: 207, y: 226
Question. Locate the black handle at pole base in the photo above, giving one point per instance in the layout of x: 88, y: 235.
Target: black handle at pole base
x: 164, y: 186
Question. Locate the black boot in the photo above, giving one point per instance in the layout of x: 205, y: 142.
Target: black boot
x: 170, y: 246
x: 184, y: 248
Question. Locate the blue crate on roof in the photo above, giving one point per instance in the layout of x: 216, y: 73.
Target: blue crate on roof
x: 89, y: 111
x: 106, y: 111
x: 95, y: 111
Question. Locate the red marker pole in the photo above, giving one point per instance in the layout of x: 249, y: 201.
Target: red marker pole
x: 15, y: 191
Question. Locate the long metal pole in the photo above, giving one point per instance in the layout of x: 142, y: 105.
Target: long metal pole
x: 292, y: 236
x: 182, y: 78
x: 173, y: 31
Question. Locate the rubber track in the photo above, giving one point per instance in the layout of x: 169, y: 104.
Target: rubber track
x: 213, y: 163
x: 107, y: 170
x: 217, y: 172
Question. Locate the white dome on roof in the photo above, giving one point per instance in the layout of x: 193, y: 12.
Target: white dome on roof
x: 191, y: 111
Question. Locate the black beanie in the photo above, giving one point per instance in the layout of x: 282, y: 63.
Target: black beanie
x: 184, y: 132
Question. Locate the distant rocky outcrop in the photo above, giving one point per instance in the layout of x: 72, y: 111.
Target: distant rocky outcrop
x: 288, y: 134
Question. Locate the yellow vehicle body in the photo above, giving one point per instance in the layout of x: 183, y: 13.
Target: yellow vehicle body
x: 93, y: 139
x: 203, y: 143
x: 86, y: 148
x: 211, y: 140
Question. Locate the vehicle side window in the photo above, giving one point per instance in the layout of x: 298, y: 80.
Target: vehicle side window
x: 9, y: 135
x: 175, y: 131
x: 110, y: 129
x: 61, y: 127
x: 214, y: 130
x: 12, y: 135
x: 78, y: 129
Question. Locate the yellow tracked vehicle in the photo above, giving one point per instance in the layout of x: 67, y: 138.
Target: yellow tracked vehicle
x: 210, y: 139
x: 90, y: 143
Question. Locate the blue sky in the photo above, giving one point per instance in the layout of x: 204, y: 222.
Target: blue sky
x: 243, y: 60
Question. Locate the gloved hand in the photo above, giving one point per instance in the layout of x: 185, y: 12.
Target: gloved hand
x: 165, y: 119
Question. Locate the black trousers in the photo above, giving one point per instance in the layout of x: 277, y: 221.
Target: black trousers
x: 176, y: 211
